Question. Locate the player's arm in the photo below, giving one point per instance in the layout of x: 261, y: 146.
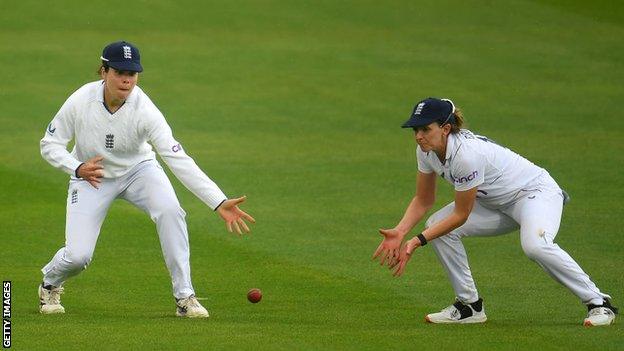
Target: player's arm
x: 58, y: 133
x: 186, y: 170
x: 464, y: 202
x: 424, y: 199
x: 420, y: 204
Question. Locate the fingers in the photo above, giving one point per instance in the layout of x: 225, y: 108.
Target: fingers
x: 239, y: 200
x: 393, y: 264
x: 246, y: 216
x: 384, y: 257
x: 378, y: 251
x: 399, y: 270
x: 96, y: 159
x: 384, y: 232
x: 243, y: 225
x: 237, y: 228
x: 228, y: 225
x: 95, y: 163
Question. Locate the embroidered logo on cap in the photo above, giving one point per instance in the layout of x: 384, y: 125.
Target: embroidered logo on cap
x: 127, y: 52
x: 419, y: 108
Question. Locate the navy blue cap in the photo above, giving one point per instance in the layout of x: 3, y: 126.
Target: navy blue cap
x: 122, y: 56
x: 431, y: 110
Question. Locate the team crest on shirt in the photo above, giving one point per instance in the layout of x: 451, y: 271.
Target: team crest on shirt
x: 109, y: 143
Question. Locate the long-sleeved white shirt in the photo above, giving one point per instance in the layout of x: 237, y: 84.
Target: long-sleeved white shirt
x: 122, y: 138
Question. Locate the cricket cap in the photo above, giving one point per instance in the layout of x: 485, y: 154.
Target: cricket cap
x: 431, y: 110
x: 122, y: 56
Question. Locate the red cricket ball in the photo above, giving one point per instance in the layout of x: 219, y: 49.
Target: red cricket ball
x: 254, y: 295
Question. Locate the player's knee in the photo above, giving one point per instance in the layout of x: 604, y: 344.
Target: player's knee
x: 78, y: 261
x: 168, y: 211
x: 533, y: 250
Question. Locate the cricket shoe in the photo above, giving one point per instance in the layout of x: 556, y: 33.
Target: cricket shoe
x: 50, y: 299
x: 191, y: 308
x: 459, y: 313
x: 600, y: 314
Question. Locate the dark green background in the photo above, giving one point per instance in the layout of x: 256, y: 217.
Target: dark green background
x: 297, y: 104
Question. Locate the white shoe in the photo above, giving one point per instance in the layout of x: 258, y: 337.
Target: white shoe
x: 458, y: 313
x: 191, y: 308
x: 600, y: 314
x: 50, y: 300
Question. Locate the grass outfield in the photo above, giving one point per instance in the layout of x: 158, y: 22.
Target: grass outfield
x: 297, y: 104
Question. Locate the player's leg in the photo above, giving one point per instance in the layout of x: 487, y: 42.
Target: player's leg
x: 149, y: 189
x: 86, y: 209
x: 450, y: 251
x: 539, y: 215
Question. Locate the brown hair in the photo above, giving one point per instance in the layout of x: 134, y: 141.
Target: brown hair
x: 103, y: 66
x: 458, y: 123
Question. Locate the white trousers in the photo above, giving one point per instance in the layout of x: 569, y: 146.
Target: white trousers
x: 145, y: 186
x: 538, y: 214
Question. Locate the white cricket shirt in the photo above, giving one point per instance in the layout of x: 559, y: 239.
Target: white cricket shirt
x: 122, y: 138
x: 475, y: 161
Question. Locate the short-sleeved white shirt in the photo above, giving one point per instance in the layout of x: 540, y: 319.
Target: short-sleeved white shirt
x: 475, y: 161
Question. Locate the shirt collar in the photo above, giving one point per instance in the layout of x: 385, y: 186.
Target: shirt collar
x: 451, y: 145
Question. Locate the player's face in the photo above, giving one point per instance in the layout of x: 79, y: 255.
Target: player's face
x: 119, y: 84
x: 431, y: 137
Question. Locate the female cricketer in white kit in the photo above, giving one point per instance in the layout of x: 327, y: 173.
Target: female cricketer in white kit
x: 113, y: 123
x: 497, y: 191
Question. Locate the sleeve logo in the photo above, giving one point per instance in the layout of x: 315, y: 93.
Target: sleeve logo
x: 50, y: 129
x: 176, y: 147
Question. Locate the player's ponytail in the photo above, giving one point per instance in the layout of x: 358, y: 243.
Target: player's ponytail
x: 458, y: 122
x: 455, y: 118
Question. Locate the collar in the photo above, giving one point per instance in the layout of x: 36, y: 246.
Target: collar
x: 452, y: 145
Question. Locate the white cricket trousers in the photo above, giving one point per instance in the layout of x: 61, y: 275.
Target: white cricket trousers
x: 538, y: 214
x: 145, y: 186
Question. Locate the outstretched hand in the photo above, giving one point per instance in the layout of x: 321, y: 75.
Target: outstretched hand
x: 234, y: 217
x: 388, y: 250
x: 406, y: 254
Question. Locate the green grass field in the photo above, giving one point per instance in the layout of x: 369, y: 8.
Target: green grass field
x: 297, y: 104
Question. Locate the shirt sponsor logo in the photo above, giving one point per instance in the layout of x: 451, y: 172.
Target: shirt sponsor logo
x: 465, y: 179
x: 176, y: 148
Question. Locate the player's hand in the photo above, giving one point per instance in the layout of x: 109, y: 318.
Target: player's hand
x: 388, y: 250
x: 234, y: 217
x: 92, y: 171
x: 406, y: 254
